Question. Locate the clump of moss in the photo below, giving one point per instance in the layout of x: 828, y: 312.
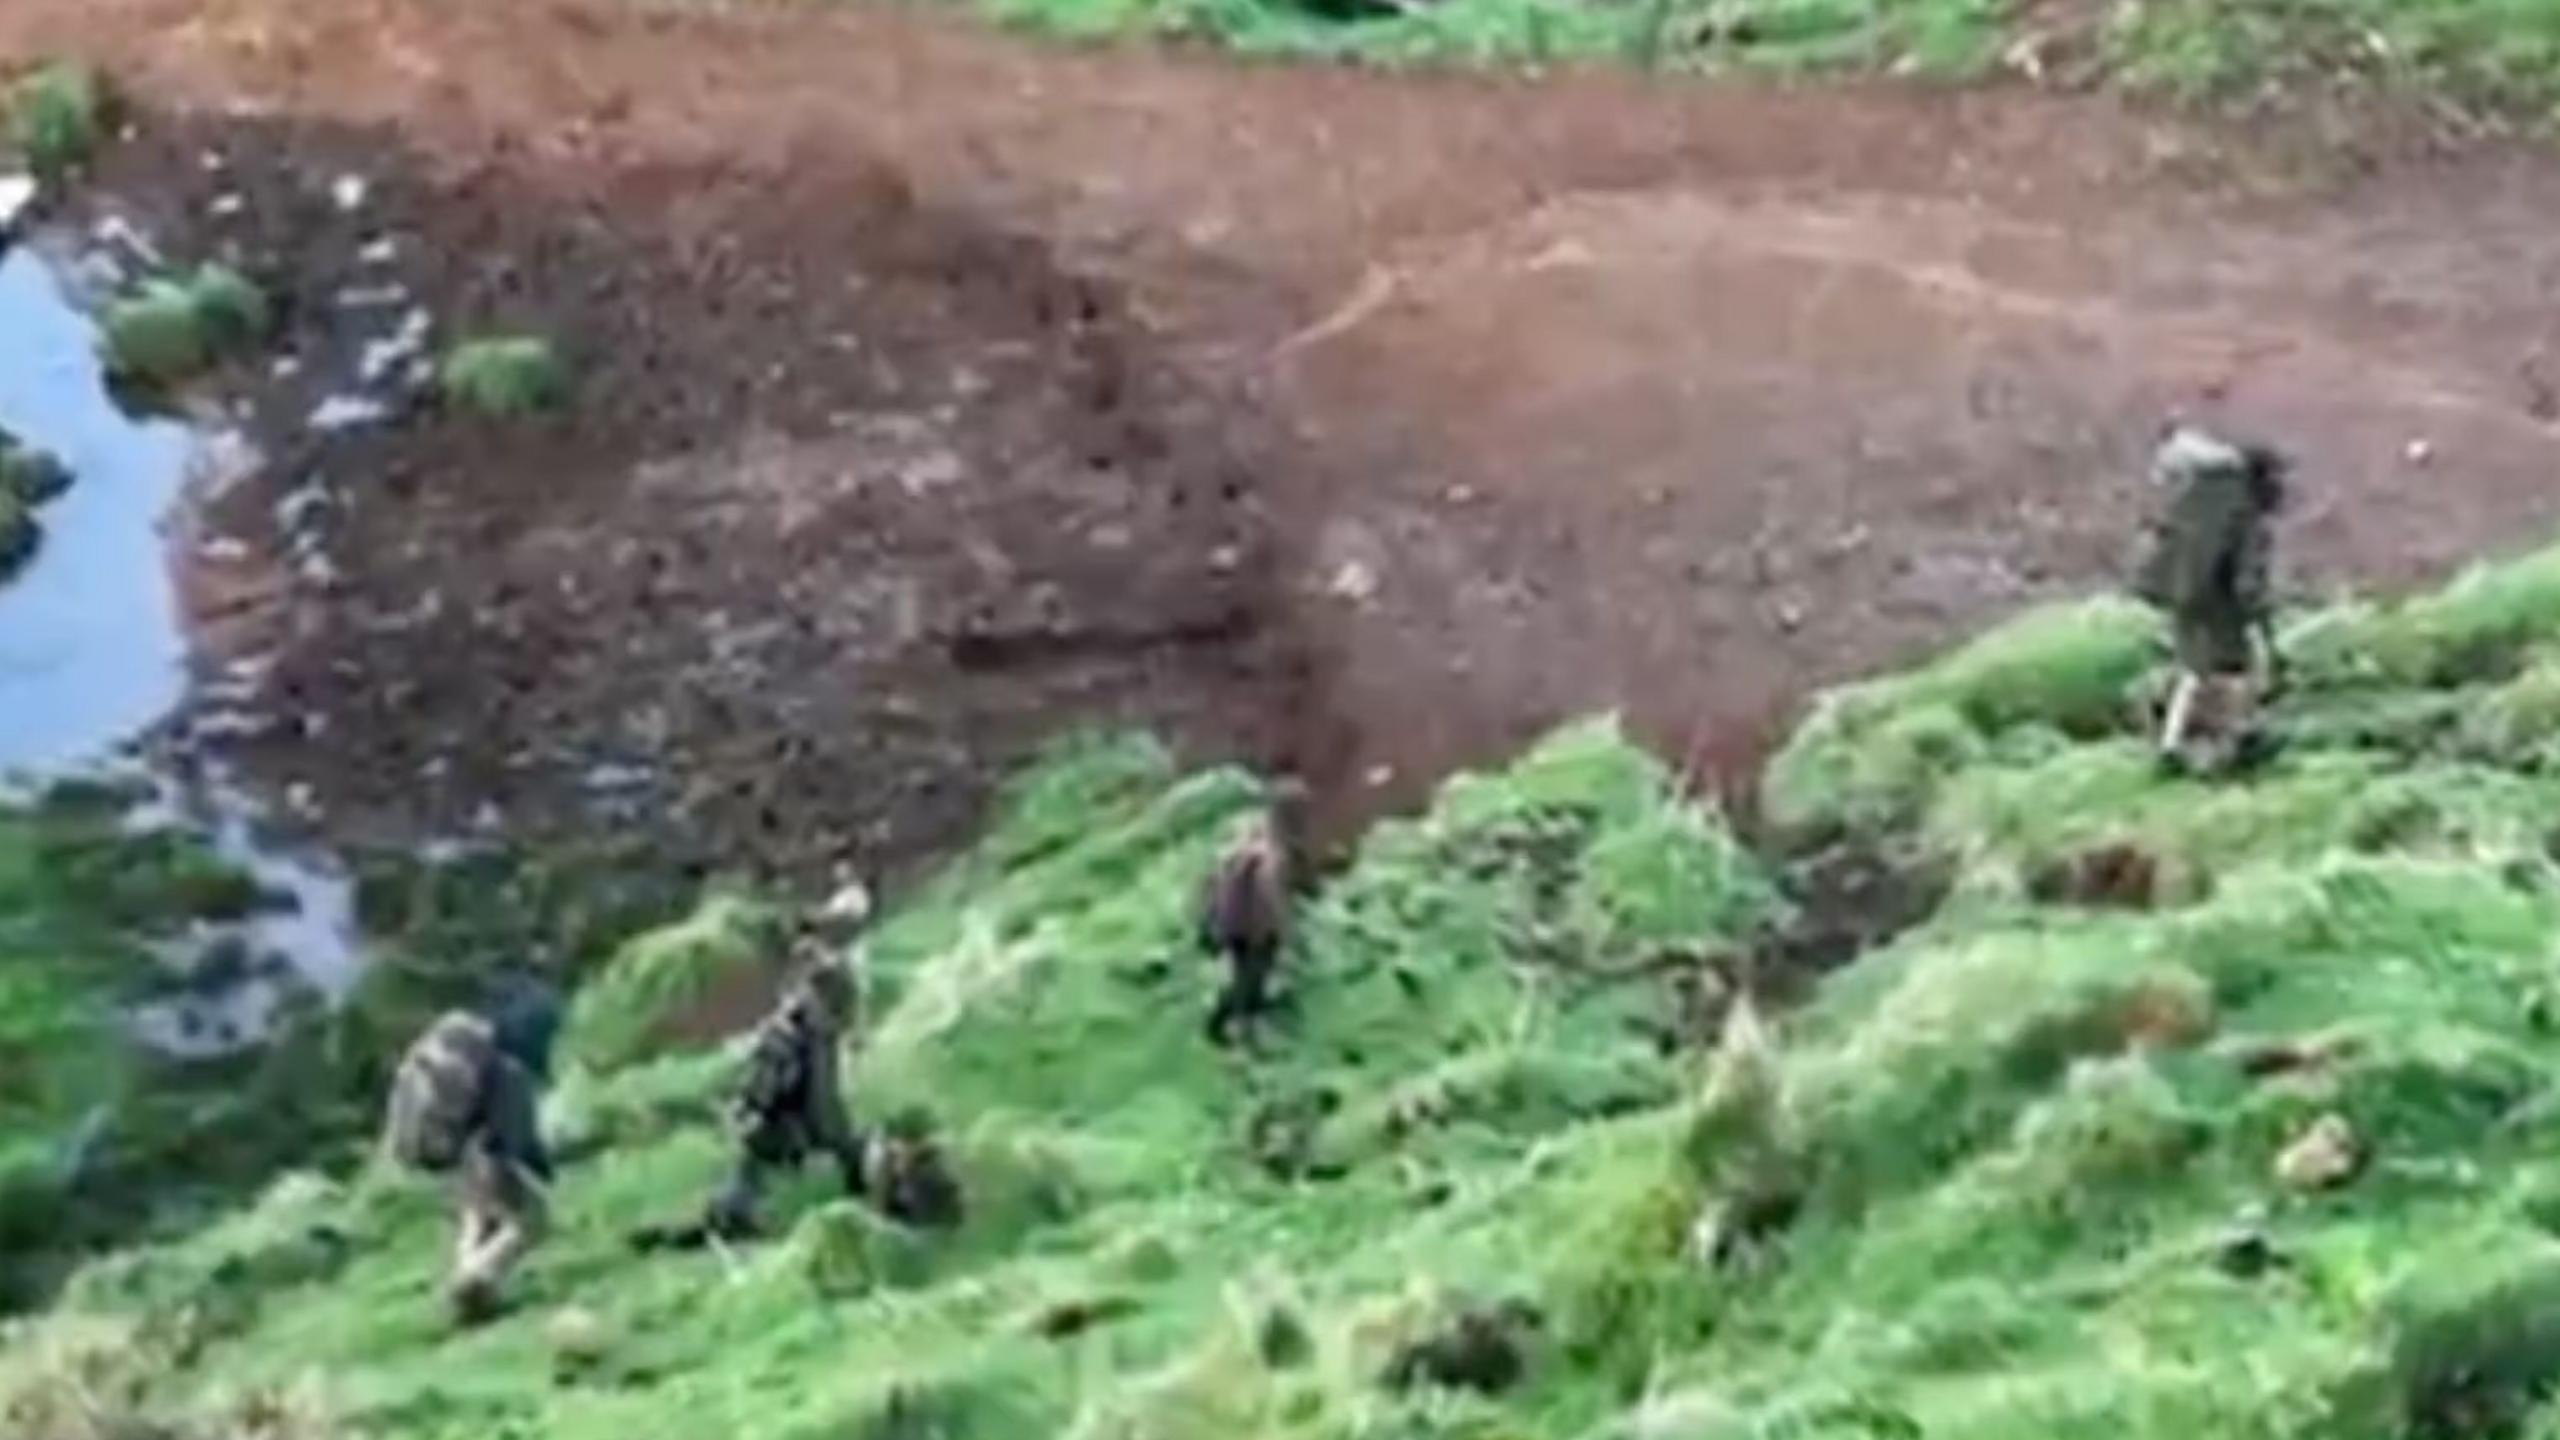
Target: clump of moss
x: 506, y: 377
x: 683, y: 982
x: 31, y: 476
x: 20, y: 532
x: 173, y: 328
x: 56, y: 116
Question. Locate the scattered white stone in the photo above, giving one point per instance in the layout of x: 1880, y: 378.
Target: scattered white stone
x: 380, y: 251
x: 402, y: 347
x: 931, y: 472
x: 212, y: 163
x: 295, y: 508
x: 349, y: 192
x: 346, y: 412
x: 2323, y: 1156
x: 2419, y: 451
x: 226, y: 205
x: 223, y: 548
x: 372, y: 297
x: 1460, y: 494
x: 17, y: 197
x: 285, y: 367
x: 605, y: 777
x: 227, y: 725
x: 1354, y: 582
x: 318, y: 571
x: 1225, y: 559
x: 1380, y: 776
x: 116, y: 232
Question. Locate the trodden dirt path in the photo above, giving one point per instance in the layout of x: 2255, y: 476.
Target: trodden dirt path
x: 1552, y: 395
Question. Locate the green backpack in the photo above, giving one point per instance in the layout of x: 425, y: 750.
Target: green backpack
x: 439, y: 1094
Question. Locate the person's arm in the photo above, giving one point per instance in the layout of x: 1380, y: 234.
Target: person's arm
x: 515, y: 1120
x: 2254, y: 585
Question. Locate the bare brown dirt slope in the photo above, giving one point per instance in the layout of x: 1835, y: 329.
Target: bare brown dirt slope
x: 1535, y: 397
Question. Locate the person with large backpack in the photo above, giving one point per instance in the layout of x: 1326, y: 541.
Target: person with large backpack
x: 2208, y: 568
x: 464, y: 1103
x: 1244, y: 911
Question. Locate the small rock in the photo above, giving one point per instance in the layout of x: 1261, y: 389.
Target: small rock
x: 578, y: 1337
x: 17, y: 197
x: 117, y: 233
x: 1460, y: 494
x: 2419, y: 451
x: 382, y: 250
x: 371, y: 297
x: 402, y: 346
x: 223, y: 549
x: 226, y: 205
x: 1485, y: 1348
x: 1225, y: 559
x: 349, y: 192
x: 1380, y: 776
x: 2325, y: 1155
x: 2245, y: 1250
x: 297, y: 508
x: 1354, y: 582
x: 346, y: 412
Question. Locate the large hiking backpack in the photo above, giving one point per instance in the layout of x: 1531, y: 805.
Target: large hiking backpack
x: 775, y: 1086
x: 439, y: 1096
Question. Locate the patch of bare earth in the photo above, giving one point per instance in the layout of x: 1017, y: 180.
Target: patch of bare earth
x: 941, y: 390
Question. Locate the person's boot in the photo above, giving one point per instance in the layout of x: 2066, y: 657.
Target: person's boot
x: 473, y: 1302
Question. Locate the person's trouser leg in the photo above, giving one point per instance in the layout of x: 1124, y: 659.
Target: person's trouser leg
x: 2181, y: 714
x: 504, y: 1215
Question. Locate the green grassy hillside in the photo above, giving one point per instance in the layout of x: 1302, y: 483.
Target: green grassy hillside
x: 2473, y: 59
x: 2034, y: 1169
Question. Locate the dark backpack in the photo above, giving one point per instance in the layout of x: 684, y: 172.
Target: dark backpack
x: 776, y: 1083
x: 439, y: 1095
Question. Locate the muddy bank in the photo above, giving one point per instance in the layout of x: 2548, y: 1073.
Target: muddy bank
x: 858, y: 501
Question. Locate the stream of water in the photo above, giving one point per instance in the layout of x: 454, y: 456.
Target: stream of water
x: 93, y: 653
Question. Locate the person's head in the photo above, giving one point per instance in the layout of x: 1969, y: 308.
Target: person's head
x: 848, y: 902
x: 2188, y: 453
x: 524, y: 1011
x: 2268, y: 470
x: 910, y: 1125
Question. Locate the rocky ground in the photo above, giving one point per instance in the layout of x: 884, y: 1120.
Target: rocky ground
x: 937, y: 391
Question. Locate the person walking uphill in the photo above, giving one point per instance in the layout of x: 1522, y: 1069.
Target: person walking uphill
x: 789, y: 1104
x: 2208, y: 566
x: 1244, y: 912
x: 464, y: 1102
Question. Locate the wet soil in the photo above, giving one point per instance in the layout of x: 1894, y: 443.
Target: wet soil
x: 939, y: 390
